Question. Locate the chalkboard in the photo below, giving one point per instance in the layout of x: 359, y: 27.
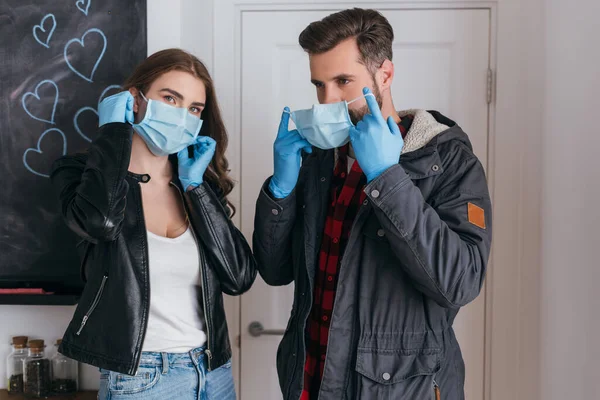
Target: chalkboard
x: 58, y: 59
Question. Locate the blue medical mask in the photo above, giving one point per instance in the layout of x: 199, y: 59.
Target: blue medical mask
x: 326, y: 126
x: 167, y: 129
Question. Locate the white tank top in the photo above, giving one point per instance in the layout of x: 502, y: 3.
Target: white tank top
x: 176, y: 320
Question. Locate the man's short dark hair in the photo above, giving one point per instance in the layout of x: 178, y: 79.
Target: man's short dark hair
x: 374, y: 35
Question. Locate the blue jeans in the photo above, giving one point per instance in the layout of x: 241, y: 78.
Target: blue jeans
x: 164, y: 376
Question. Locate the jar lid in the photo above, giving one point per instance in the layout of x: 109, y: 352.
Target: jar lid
x: 36, y: 344
x: 19, y: 342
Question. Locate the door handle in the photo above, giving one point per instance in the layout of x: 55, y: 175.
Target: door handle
x: 256, y: 329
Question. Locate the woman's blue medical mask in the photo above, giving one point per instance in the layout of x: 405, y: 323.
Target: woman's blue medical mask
x: 326, y: 126
x: 167, y: 129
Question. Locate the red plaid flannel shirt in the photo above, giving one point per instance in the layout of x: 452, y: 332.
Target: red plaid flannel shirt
x: 347, y: 196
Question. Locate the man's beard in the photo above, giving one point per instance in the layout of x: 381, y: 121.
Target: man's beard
x: 358, y: 114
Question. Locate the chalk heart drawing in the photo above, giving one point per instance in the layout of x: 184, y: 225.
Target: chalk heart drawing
x: 36, y: 95
x: 108, y: 89
x: 90, y: 109
x: 51, y: 134
x: 83, y: 5
x: 76, y: 123
x: 42, y: 28
x: 81, y: 43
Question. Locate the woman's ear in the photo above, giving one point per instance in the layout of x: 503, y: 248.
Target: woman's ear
x: 135, y: 93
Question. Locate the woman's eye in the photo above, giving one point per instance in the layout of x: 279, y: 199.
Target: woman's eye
x: 195, y: 110
x: 169, y: 99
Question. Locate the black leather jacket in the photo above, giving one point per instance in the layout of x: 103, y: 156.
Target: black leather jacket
x: 101, y: 202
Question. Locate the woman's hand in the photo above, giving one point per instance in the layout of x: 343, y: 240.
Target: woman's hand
x: 192, y: 169
x: 116, y: 108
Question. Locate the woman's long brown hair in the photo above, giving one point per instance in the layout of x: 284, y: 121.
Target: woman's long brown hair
x: 176, y: 59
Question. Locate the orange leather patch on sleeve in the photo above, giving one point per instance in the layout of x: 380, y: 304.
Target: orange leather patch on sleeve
x: 476, y: 216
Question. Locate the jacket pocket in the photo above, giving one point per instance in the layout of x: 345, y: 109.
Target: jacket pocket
x: 93, y: 306
x: 397, y: 374
x: 374, y: 230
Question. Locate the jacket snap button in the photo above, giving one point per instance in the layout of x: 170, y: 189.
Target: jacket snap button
x: 365, y: 202
x: 275, y: 211
x: 323, y: 179
x: 381, y: 233
x: 375, y: 194
x: 435, y: 168
x: 386, y: 377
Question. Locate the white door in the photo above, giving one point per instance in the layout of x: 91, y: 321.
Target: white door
x: 441, y: 59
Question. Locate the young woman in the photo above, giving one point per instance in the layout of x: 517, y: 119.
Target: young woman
x: 148, y: 199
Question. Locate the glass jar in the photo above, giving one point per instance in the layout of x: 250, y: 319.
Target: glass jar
x: 14, y: 364
x: 65, y: 373
x: 36, y: 371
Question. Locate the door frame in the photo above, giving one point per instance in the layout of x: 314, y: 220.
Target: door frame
x: 511, y: 300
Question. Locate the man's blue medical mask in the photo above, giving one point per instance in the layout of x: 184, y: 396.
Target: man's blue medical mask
x: 167, y: 129
x: 326, y: 126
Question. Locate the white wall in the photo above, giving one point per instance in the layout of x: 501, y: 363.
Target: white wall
x: 531, y: 117
x: 570, y: 319
x: 170, y: 24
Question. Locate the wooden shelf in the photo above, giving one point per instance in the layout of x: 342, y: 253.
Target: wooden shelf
x: 88, y: 395
x: 39, y: 299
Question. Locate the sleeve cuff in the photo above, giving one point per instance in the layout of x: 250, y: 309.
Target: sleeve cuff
x: 388, y: 182
x: 272, y: 201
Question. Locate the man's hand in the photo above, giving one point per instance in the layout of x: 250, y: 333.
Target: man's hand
x: 287, y: 158
x: 376, y: 143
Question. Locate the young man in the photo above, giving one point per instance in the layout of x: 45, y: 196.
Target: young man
x: 384, y: 237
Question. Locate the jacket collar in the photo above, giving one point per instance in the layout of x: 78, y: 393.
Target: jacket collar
x: 145, y: 178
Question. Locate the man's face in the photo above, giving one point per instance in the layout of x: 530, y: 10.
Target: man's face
x: 339, y: 75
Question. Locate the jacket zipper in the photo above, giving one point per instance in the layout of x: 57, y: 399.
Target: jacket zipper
x: 436, y: 391
x: 147, y: 310
x: 93, y: 306
x: 207, y: 351
x: 301, y: 338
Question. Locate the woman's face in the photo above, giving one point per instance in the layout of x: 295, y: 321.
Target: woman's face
x: 176, y: 88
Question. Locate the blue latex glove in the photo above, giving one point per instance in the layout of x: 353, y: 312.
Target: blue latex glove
x: 376, y: 143
x: 287, y: 158
x: 192, y: 169
x: 116, y: 108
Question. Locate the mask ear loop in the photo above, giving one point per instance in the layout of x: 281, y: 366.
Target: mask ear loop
x: 143, y: 97
x: 360, y: 97
x: 353, y: 100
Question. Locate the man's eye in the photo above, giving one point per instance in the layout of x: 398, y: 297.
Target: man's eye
x: 344, y: 81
